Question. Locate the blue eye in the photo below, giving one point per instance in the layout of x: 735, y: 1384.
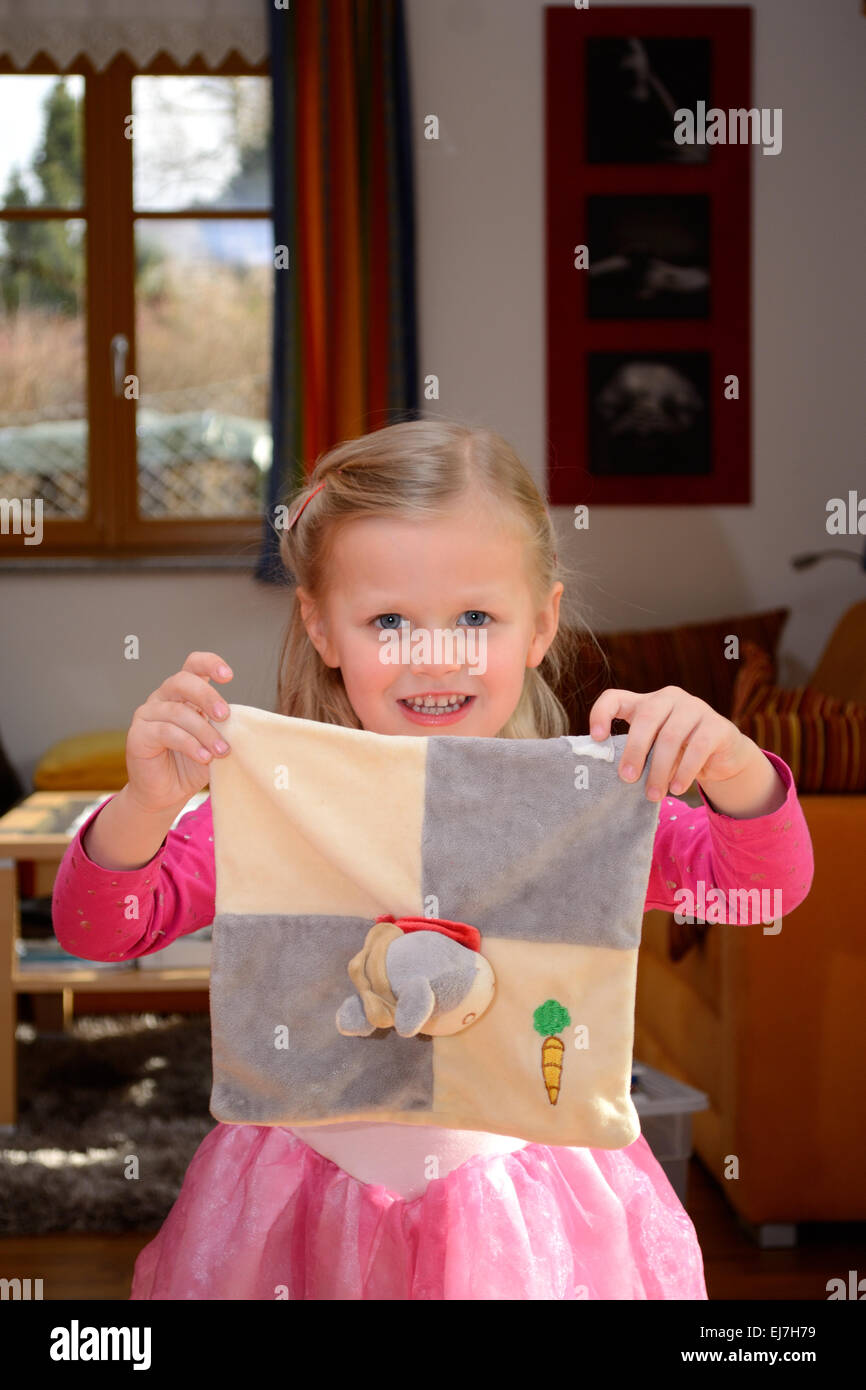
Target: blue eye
x: 387, y: 626
x: 475, y: 613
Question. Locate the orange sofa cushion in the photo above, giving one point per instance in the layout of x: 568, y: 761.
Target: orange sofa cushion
x: 821, y: 738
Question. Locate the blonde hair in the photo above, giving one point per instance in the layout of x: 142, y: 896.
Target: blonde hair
x: 415, y: 469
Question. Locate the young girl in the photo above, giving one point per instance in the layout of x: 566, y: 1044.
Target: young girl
x: 436, y: 526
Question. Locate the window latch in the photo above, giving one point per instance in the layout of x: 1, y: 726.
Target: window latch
x: 119, y: 353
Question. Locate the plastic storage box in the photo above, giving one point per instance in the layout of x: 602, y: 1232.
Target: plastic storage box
x: 665, y: 1107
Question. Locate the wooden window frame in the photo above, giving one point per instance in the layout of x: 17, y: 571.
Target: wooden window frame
x: 112, y: 527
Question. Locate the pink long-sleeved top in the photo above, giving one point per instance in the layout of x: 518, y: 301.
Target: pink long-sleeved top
x: 175, y: 890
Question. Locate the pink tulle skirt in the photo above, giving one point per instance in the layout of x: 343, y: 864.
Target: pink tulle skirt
x: 261, y: 1215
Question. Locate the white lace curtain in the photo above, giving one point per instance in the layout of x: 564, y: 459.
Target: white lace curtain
x: 102, y: 28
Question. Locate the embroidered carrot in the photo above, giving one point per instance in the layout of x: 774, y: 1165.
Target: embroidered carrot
x: 550, y: 1018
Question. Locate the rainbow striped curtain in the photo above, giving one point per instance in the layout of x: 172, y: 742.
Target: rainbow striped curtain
x: 345, y: 325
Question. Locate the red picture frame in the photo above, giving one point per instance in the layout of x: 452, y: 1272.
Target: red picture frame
x: 576, y: 342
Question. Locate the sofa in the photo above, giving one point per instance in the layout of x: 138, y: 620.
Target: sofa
x: 767, y: 1025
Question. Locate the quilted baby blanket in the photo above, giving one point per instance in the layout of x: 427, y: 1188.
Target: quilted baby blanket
x: 432, y: 930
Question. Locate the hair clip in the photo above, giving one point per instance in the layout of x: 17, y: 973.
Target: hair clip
x: 316, y: 489
x: 304, y: 503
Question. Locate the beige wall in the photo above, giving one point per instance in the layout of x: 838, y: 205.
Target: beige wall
x: 478, y: 65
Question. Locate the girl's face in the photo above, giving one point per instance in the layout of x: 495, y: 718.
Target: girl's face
x: 462, y: 576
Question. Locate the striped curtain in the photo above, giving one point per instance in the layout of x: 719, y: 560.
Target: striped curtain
x: 345, y: 327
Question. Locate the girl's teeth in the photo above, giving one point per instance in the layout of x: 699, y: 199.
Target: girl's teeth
x: 439, y: 704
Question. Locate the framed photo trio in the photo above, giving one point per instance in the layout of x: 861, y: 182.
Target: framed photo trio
x: 648, y: 256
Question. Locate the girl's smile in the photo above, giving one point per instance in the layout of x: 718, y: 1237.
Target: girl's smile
x: 433, y: 707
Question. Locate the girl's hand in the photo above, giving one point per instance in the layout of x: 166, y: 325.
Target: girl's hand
x: 170, y: 741
x: 691, y: 739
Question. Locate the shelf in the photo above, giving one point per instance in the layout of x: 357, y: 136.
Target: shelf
x: 110, y: 981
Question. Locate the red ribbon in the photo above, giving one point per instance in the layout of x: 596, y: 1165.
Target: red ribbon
x: 460, y: 932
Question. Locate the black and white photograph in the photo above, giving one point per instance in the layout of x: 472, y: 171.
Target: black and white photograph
x: 649, y: 257
x: 633, y: 88
x: 649, y: 413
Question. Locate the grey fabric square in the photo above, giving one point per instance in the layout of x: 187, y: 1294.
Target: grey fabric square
x: 270, y: 972
x: 529, y: 867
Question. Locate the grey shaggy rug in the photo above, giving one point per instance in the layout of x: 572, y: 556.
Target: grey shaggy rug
x: 114, y: 1086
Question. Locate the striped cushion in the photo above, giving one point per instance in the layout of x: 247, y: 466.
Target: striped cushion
x: 821, y: 738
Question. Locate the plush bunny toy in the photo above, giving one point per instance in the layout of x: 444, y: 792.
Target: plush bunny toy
x: 417, y: 974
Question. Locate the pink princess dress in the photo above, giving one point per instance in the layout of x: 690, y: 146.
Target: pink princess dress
x: 350, y: 1212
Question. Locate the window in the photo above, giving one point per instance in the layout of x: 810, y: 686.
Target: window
x: 136, y: 263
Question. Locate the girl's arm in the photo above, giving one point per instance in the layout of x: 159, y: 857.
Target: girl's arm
x: 694, y: 845
x: 113, y: 914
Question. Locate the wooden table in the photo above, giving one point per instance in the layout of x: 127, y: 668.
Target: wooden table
x: 38, y: 831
